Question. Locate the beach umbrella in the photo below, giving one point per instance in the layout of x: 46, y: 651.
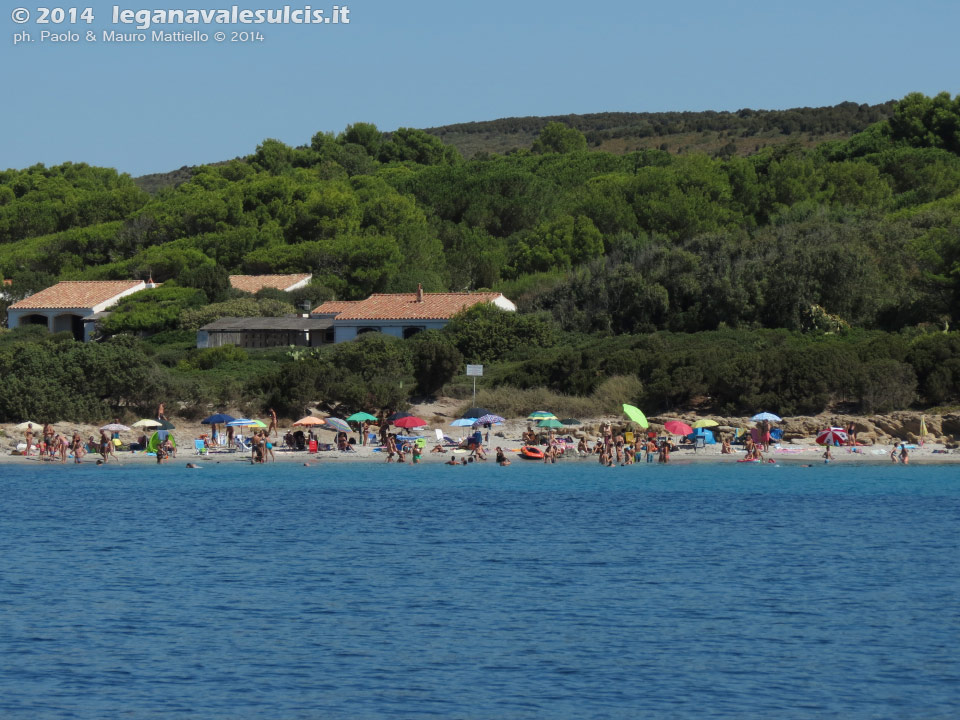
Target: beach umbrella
x: 760, y: 417
x: 115, y: 427
x: 241, y: 422
x: 675, y: 427
x: 332, y: 423
x: 410, y: 421
x: 147, y: 423
x: 463, y: 422
x: 489, y: 419
x: 361, y: 416
x: 476, y: 412
x: 923, y: 428
x: 570, y: 421
x: 705, y: 423
x: 218, y: 419
x: 550, y: 423
x: 165, y: 425
x: 396, y: 416
x: 831, y: 436
x: 634, y: 414
x: 24, y: 425
x: 308, y: 421
x: 541, y: 415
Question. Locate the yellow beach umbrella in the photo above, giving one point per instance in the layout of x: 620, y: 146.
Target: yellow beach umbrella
x: 705, y: 423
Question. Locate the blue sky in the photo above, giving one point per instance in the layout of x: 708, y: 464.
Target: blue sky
x: 153, y: 107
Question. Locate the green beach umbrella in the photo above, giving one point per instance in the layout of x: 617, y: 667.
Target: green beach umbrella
x: 550, y: 423
x: 634, y: 414
x: 361, y: 416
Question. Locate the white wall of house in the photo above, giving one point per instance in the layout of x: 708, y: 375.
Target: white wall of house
x: 297, y: 285
x: 61, y: 319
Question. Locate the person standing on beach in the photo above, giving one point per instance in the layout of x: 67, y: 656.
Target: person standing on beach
x: 28, y: 436
x: 273, y: 423
x: 904, y: 454
x: 160, y: 415
x: 893, y: 453
x: 77, y: 447
x: 104, y: 445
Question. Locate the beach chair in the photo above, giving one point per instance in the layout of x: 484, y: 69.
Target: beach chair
x: 699, y: 441
x: 312, y: 447
x: 240, y: 445
x: 199, y: 447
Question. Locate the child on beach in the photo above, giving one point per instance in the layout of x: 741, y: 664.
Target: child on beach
x: 827, y: 457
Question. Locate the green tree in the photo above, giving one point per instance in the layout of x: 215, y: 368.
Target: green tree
x: 559, y: 138
x: 435, y: 363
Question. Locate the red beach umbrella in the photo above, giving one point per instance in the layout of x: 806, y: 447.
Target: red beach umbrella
x: 675, y: 427
x: 831, y: 436
x: 410, y: 422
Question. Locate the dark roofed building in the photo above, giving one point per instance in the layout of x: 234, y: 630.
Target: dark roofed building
x: 266, y: 332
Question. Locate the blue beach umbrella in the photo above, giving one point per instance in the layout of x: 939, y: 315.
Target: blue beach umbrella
x: 759, y: 417
x: 218, y: 419
x: 463, y: 422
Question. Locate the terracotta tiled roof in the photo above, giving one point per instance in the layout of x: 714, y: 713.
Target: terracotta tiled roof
x: 76, y: 294
x: 252, y: 283
x: 334, y: 306
x: 404, y: 306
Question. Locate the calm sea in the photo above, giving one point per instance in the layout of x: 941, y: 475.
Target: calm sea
x: 565, y: 591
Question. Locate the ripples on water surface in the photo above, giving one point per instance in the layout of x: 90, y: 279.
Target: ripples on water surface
x: 569, y: 591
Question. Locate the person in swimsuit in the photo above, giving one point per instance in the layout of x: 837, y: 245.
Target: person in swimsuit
x: 502, y: 458
x: 904, y: 454
x: 104, y: 446
x: 273, y: 423
x: 893, y: 453
x: 28, y: 436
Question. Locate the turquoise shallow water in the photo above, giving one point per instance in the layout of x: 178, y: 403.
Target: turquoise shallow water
x: 566, y: 591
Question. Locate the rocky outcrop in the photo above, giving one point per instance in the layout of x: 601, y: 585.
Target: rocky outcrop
x: 872, y: 430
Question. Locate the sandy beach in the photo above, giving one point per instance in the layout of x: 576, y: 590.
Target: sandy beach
x: 797, y: 447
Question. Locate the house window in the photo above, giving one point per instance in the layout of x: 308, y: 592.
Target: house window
x: 365, y: 330
x: 409, y: 332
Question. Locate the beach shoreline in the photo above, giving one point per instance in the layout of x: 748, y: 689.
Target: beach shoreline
x: 786, y: 455
x: 878, y: 433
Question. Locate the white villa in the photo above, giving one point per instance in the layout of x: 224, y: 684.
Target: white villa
x: 72, y: 305
x: 401, y: 314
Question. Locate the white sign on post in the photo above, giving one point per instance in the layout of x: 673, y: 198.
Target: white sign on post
x: 474, y: 371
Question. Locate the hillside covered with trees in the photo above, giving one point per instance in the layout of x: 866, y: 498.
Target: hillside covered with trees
x: 795, y: 278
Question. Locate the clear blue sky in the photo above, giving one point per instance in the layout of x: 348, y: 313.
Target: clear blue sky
x: 153, y: 107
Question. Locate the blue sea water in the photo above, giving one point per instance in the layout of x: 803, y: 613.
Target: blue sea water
x: 565, y: 591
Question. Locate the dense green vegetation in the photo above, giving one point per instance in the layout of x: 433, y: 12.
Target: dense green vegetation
x: 701, y: 131
x: 793, y: 279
